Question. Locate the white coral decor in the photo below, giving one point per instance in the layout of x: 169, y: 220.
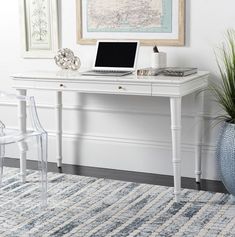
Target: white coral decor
x: 65, y: 59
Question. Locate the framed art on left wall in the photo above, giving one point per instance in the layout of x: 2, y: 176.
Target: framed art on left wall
x: 39, y: 28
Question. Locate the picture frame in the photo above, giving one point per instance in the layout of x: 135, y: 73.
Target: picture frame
x: 39, y: 28
x: 164, y: 24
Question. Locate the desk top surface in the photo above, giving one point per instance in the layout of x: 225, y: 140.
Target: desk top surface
x: 67, y: 75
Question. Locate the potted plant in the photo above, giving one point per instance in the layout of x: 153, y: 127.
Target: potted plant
x: 224, y: 93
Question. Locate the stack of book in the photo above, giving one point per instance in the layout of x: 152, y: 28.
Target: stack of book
x: 149, y: 71
x: 167, y: 71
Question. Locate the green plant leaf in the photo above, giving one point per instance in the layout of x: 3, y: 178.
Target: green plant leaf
x: 224, y: 92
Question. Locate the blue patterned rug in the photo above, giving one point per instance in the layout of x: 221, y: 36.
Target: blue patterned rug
x: 85, y: 206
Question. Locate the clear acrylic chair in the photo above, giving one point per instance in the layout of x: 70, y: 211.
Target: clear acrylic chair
x: 22, y: 138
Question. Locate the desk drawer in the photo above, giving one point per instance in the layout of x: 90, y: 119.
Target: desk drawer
x: 95, y: 87
x: 23, y: 84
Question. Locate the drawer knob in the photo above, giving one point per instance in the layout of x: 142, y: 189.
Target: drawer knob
x: 120, y: 87
x: 61, y: 85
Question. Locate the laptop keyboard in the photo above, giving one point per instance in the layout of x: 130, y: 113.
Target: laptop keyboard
x: 109, y: 71
x: 106, y: 73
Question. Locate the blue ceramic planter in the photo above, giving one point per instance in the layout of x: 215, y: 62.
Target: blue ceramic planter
x: 226, y: 156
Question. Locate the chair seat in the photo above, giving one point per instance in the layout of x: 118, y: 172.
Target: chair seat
x: 8, y: 136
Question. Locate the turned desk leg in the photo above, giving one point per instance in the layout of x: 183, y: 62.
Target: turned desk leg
x: 199, y: 121
x: 176, y: 144
x: 22, y: 118
x: 58, y: 109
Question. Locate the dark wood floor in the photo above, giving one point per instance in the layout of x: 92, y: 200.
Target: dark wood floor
x: 165, y: 180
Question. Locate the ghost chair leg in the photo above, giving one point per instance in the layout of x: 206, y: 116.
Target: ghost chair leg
x: 2, y: 153
x: 42, y: 166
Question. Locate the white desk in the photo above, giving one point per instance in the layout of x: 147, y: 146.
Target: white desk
x: 173, y: 87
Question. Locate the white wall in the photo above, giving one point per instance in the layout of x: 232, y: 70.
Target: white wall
x: 123, y: 132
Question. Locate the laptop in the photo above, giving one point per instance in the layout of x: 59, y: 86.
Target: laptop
x: 114, y: 58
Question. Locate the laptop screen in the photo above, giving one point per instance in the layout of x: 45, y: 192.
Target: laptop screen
x: 116, y: 54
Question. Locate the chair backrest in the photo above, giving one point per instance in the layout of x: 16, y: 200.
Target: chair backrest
x: 30, y: 103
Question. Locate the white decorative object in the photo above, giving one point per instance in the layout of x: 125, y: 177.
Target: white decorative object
x: 66, y: 60
x: 76, y: 63
x: 159, y: 60
x: 39, y: 28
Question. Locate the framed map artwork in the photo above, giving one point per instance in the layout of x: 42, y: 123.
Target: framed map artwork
x: 152, y: 22
x: 39, y: 28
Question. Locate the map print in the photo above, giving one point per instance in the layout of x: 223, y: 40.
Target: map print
x: 154, y: 16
